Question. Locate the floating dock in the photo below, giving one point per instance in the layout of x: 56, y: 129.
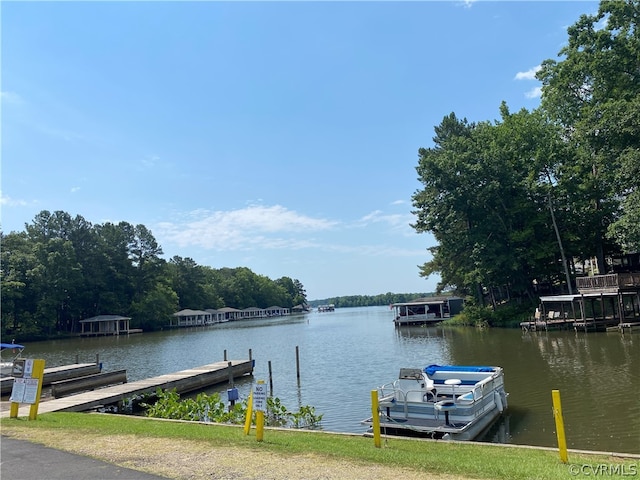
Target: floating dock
x: 56, y: 374
x: 184, y: 381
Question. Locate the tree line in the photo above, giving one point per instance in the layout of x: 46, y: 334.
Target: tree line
x: 369, y: 300
x: 63, y: 269
x: 518, y: 204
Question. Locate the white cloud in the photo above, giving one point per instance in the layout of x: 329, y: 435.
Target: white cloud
x: 377, y: 216
x: 75, y: 189
x: 60, y: 133
x: 150, y: 161
x: 529, y: 74
x: 258, y: 228
x: 249, y: 227
x: 11, y: 97
x: 534, y: 93
x: 11, y: 202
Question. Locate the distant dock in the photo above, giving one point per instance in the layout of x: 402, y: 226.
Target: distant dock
x: 184, y: 381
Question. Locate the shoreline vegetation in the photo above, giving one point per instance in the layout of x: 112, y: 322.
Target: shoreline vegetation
x: 194, y: 450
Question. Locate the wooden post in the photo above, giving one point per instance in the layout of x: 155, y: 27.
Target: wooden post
x: 270, y: 380
x: 298, y: 364
x: 230, y: 366
x: 225, y: 355
x: 557, y: 414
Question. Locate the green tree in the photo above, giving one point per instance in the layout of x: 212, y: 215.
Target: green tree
x: 17, y: 264
x: 114, y: 287
x: 295, y: 292
x: 63, y: 269
x: 154, y: 309
x: 485, y: 200
x: 593, y: 93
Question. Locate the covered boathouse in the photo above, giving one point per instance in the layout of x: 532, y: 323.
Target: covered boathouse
x: 105, y: 325
x: 603, y: 302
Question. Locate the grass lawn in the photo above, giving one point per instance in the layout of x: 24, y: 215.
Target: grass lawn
x: 464, y: 460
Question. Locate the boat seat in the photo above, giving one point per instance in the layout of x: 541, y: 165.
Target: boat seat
x: 466, y: 399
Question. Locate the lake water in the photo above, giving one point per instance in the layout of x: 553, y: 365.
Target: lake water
x: 349, y: 352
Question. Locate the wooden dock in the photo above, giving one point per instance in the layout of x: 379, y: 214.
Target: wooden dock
x: 56, y: 374
x: 626, y: 326
x: 535, y: 325
x: 184, y: 381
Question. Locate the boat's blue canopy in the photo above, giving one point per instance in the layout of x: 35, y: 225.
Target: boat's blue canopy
x: 10, y: 345
x: 431, y: 369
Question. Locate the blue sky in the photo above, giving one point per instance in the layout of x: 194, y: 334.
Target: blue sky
x: 280, y: 136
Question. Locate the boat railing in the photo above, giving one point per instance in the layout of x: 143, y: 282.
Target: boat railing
x: 387, y: 392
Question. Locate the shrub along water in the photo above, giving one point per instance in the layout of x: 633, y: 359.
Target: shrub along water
x: 211, y: 408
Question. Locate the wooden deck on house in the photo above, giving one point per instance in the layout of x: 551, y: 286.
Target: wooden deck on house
x: 184, y: 381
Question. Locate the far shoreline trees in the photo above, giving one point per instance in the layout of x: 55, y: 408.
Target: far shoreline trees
x: 63, y: 269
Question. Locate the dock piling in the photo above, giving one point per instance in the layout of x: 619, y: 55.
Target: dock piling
x: 230, y: 365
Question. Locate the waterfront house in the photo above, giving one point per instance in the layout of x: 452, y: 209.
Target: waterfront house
x: 602, y: 301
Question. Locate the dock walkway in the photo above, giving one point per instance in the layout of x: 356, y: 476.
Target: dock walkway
x: 184, y: 381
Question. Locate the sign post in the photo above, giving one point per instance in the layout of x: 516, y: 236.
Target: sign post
x: 260, y: 406
x: 27, y: 388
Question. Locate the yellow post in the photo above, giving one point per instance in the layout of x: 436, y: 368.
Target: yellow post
x: 557, y: 414
x: 261, y: 407
x: 247, y: 420
x: 259, y: 425
x: 38, y: 372
x: 13, y: 411
x: 376, y: 419
x: 15, y: 402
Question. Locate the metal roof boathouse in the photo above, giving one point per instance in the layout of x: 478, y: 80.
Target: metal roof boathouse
x: 196, y: 318
x: 106, y: 325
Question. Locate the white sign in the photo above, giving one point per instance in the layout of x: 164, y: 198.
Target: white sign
x: 17, y: 392
x: 259, y: 397
x: 25, y: 390
x: 31, y: 390
x: 28, y: 368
